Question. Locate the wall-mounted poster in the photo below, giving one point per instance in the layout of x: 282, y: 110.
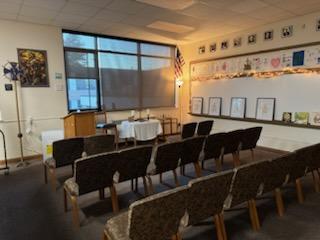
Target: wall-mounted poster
x: 213, y: 47
x: 35, y: 68
x: 287, y: 31
x: 215, y: 106
x: 237, y: 42
x: 224, y: 45
x: 314, y: 118
x: 287, y: 117
x: 196, y: 105
x: 265, y: 108
x: 298, y: 58
x: 301, y: 117
x: 238, y: 107
x: 268, y: 35
x: 202, y: 49
x: 252, y: 39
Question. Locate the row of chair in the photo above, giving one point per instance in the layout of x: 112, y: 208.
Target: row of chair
x: 163, y: 216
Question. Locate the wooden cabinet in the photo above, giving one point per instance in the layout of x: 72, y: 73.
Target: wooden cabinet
x: 79, y: 124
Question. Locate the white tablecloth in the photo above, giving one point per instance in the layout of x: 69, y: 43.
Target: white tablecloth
x: 141, y: 131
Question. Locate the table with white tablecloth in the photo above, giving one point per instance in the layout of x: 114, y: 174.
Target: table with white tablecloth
x: 140, y: 130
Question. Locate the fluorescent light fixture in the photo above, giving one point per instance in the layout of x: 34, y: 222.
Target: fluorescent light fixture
x: 170, y: 27
x: 170, y: 4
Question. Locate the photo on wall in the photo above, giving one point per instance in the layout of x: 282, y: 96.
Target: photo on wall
x: 237, y: 42
x: 197, y: 105
x: 301, y: 117
x: 314, y: 118
x: 202, y: 50
x: 224, y: 45
x: 318, y: 25
x: 214, y: 106
x: 213, y: 47
x: 238, y: 107
x: 268, y: 35
x: 265, y: 109
x: 252, y: 39
x: 287, y: 31
x: 287, y: 117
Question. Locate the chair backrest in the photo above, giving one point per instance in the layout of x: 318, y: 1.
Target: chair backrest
x: 99, y: 144
x: 66, y: 151
x: 248, y: 182
x: 133, y: 162
x: 191, y: 149
x: 204, y: 128
x: 167, y: 156
x: 213, y: 146
x: 207, y: 195
x: 250, y: 138
x: 95, y: 172
x: 314, y: 163
x: 188, y: 130
x: 278, y: 172
x: 303, y: 158
x: 232, y: 141
x: 158, y: 217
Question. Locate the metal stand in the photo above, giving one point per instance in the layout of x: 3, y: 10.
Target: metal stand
x: 6, y: 168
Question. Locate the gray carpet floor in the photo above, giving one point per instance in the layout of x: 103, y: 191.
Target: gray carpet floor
x: 30, y: 210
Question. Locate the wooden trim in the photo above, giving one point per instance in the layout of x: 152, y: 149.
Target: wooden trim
x: 27, y: 158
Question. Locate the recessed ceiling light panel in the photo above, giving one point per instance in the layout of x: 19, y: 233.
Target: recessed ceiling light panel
x: 170, y: 4
x: 170, y: 27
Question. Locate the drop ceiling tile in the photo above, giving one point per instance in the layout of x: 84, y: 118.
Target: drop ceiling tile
x: 271, y: 14
x: 9, y: 7
x: 109, y: 15
x: 48, y: 4
x: 219, y: 3
x: 66, y: 25
x: 299, y: 7
x: 12, y: 1
x: 126, y: 6
x: 198, y: 11
x: 170, y: 4
x: 170, y: 27
x: 137, y: 20
x: 34, y: 19
x: 244, y: 21
x: 247, y: 6
x: 93, y: 3
x: 71, y: 18
x: 79, y: 9
x: 8, y: 16
x: 29, y: 11
x: 98, y: 23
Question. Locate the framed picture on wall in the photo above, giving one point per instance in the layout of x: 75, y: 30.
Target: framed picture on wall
x: 197, y: 105
x: 301, y: 117
x: 265, y: 108
x: 314, y: 118
x: 214, y: 106
x: 238, y: 107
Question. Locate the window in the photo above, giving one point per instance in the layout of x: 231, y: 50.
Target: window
x: 121, y: 74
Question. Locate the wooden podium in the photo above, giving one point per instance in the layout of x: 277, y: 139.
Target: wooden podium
x: 79, y: 124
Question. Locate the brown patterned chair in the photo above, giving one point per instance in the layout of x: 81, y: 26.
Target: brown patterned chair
x: 204, y: 128
x: 99, y: 144
x: 213, y: 149
x: 157, y: 217
x: 191, y: 149
x: 207, y: 197
x: 249, y: 139
x: 133, y: 164
x: 166, y: 157
x: 64, y: 153
x: 94, y: 173
x: 232, y: 145
x: 246, y: 186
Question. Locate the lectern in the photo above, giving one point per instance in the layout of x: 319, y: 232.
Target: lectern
x: 79, y: 124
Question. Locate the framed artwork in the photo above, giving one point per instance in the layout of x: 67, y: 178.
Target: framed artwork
x: 252, y: 39
x: 318, y: 25
x: 265, y: 108
x: 237, y: 42
x: 197, y: 105
x: 202, y: 49
x: 214, y: 106
x: 287, y: 117
x: 301, y: 117
x: 224, y: 45
x: 298, y: 58
x: 314, y: 118
x: 35, y: 68
x: 268, y: 35
x: 287, y: 31
x: 238, y: 107
x: 213, y: 47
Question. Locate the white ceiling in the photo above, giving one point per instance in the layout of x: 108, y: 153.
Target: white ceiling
x: 131, y: 18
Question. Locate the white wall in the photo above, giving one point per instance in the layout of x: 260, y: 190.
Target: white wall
x: 286, y: 138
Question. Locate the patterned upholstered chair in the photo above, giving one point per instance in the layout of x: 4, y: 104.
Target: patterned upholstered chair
x: 64, y: 153
x: 278, y: 173
x: 166, y: 157
x: 157, y: 217
x: 213, y: 149
x: 207, y: 197
x: 246, y: 186
x: 133, y: 164
x: 99, y: 144
x: 191, y: 149
x: 204, y: 128
x: 232, y: 145
x: 93, y: 173
x: 250, y: 138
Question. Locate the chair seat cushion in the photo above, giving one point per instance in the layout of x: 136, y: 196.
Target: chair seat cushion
x: 50, y: 163
x: 116, y: 228
x: 72, y: 186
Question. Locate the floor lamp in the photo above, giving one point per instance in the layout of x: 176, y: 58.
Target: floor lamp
x: 13, y: 72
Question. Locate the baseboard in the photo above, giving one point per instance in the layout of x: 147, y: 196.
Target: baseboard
x: 27, y: 158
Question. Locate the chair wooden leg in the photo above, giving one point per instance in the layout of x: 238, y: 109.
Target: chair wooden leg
x: 145, y: 186
x: 104, y: 237
x: 53, y: 179
x: 254, y: 215
x: 223, y: 227
x: 279, y: 201
x: 177, y: 237
x: 75, y: 211
x: 151, y: 189
x: 45, y: 174
x: 65, y: 200
x: 114, y: 199
x: 219, y: 229
x: 101, y: 194
x: 252, y: 155
x: 176, y: 178
x: 236, y: 160
x: 316, y: 181
x: 299, y: 191
x: 197, y: 169
x: 218, y: 164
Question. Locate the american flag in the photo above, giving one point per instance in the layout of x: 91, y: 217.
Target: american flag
x: 179, y: 62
